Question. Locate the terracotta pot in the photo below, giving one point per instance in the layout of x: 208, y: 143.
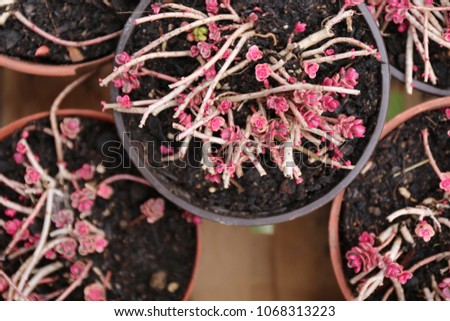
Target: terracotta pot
x: 20, y: 123
x: 51, y: 70
x: 420, y: 85
x: 333, y: 227
x: 266, y: 220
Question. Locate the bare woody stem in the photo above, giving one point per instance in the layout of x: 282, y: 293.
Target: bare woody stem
x: 53, y: 110
x: 19, y: 16
x: 12, y: 285
x: 16, y: 186
x: 124, y: 177
x: 168, y: 15
x: 17, y: 207
x: 426, y: 145
x: 425, y: 212
x: 42, y: 273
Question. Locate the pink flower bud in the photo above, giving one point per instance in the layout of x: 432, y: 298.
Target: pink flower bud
x: 404, y: 277
x: 42, y: 51
x: 156, y: 8
x: 362, y: 257
x: 20, y: 148
x: 277, y: 103
x: 262, y: 71
x: 393, y: 270
x: 12, y: 226
x: 254, y: 53
x: 67, y: 248
x: 19, y: 158
x: 312, y: 119
x: 214, y: 32
x: 95, y: 292
x: 86, y: 172
x: 50, y: 255
x: 81, y: 228
x: 194, y: 51
x: 122, y: 58
x: 447, y: 112
x: 367, y: 237
x: 225, y: 106
x: 63, y: 218
x: 124, y: 101
x: 191, y: 218
x: 445, y: 182
x: 83, y: 200
x: 444, y: 286
x: 216, y: 123
x: 166, y: 150
x: 76, y: 269
x: 105, y: 191
x: 311, y: 69
x: 259, y: 123
x: 231, y: 134
x: 300, y: 27
x: 70, y: 127
x: 213, y: 178
x: 100, y: 243
x: 153, y: 209
x: 424, y: 231
x: 205, y: 49
x: 253, y: 17
x: 210, y: 73
x: 330, y: 104
x: 10, y: 212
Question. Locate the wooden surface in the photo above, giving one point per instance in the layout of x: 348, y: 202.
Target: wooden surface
x: 236, y: 264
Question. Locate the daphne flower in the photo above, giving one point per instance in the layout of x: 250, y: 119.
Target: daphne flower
x: 254, y: 53
x: 424, y: 231
x: 262, y: 71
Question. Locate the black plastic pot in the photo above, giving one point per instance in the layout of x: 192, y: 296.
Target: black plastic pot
x: 150, y: 173
x: 420, y: 85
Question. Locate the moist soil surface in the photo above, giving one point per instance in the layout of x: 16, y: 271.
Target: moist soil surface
x: 137, y: 254
x: 375, y: 195
x: 439, y: 57
x: 74, y: 20
x: 273, y: 194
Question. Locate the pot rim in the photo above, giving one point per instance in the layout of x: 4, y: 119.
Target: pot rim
x: 161, y: 188
x: 39, y: 69
x: 333, y: 226
x: 10, y: 128
x: 420, y: 85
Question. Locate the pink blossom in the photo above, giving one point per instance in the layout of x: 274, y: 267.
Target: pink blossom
x: 350, y: 127
x: 122, y: 58
x: 404, y: 277
x: 447, y: 34
x: 156, y: 8
x: 4, y: 285
x: 329, y: 52
x: 10, y: 212
x: 153, y: 209
x: 445, y: 182
x: 330, y: 104
x: 166, y: 150
x: 309, y: 98
x: 32, y: 176
x: 12, y: 226
x: 253, y: 17
x: 81, y: 228
x: 70, y: 127
x: 362, y: 257
x: 83, y: 200
x: 185, y: 119
x: 50, y: 255
x: 87, y: 244
x: 205, y: 49
x: 105, y: 191
x: 231, y: 134
x: 86, y: 172
x: 225, y: 106
x: 194, y: 51
x: 76, y: 269
x: 254, y: 53
x: 311, y: 69
x: 226, y: 54
x: 447, y: 113
x: 20, y: 148
x: 124, y: 101
x: 19, y: 158
x: 210, y: 73
x: 444, y: 286
x: 67, y: 248
x: 63, y: 218
x: 214, y: 32
x: 213, y: 178
x: 212, y: 6
x: 262, y: 71
x: 259, y: 123
x: 312, y: 119
x: 300, y: 27
x: 277, y: 103
x: 100, y: 243
x: 95, y: 292
x: 393, y: 270
x: 278, y: 128
x: 424, y: 231
x: 396, y: 10
x: 216, y: 123
x: 367, y: 237
x: 191, y: 218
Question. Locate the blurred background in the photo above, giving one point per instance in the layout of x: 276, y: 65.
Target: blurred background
x: 289, y: 261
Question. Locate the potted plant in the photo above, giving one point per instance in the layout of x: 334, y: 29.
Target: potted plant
x: 245, y: 113
x: 77, y: 223
x: 389, y: 231
x: 56, y: 38
x: 417, y: 35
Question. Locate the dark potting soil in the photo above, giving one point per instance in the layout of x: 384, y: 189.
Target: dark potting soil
x: 373, y: 196
x: 439, y: 57
x: 135, y: 254
x: 74, y: 20
x: 273, y: 194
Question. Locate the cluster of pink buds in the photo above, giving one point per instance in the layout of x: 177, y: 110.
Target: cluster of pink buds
x: 350, y: 127
x: 63, y: 218
x: 128, y: 79
x: 444, y: 286
x: 95, y: 292
x: 83, y: 200
x: 86, y: 172
x: 76, y: 269
x: 396, y: 10
x: 153, y: 209
x: 32, y: 176
x: 67, y: 248
x: 393, y: 270
x: 364, y: 256
x: 92, y: 243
